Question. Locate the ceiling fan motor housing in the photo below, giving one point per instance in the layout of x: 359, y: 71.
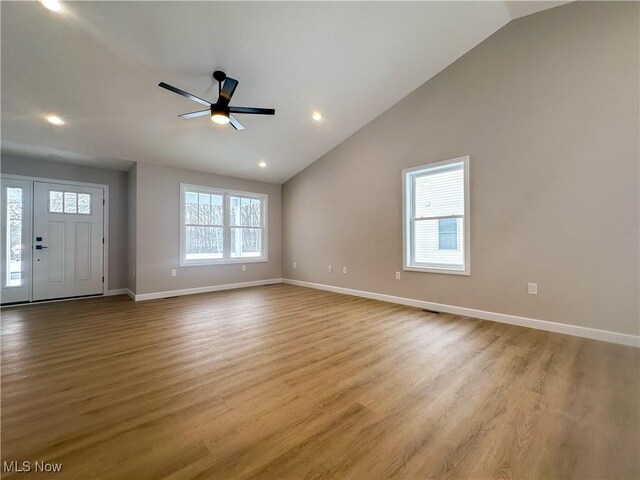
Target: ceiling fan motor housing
x: 219, y: 110
x: 219, y: 114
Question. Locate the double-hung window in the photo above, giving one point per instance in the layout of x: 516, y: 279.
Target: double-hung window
x: 436, y: 217
x: 221, y: 226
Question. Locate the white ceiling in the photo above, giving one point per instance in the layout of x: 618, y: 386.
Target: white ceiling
x: 98, y: 65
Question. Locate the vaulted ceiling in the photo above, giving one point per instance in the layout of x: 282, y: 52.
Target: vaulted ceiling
x: 97, y: 65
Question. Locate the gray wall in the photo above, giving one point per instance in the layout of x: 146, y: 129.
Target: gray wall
x: 547, y: 108
x: 158, y: 231
x: 132, y: 198
x: 117, y: 181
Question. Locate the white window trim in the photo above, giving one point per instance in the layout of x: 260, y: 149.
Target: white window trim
x: 407, y: 206
x: 226, y: 260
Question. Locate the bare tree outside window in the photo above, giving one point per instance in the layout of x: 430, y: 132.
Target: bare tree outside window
x: 211, y: 232
x: 204, y: 218
x: 246, y: 213
x: 14, y: 234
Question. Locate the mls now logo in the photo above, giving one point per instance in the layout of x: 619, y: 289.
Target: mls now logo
x: 27, y: 466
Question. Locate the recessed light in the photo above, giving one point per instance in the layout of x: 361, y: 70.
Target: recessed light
x: 52, y: 5
x: 55, y: 120
x: 262, y: 164
x: 316, y: 116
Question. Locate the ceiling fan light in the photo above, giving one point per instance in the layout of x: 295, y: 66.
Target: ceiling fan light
x: 219, y: 115
x: 52, y: 5
x: 221, y: 118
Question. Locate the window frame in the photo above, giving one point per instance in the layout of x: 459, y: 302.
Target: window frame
x: 226, y: 251
x: 408, y: 205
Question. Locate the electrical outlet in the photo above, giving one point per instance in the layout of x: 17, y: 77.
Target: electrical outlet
x: 294, y: 265
x: 344, y: 269
x: 330, y: 269
x: 244, y: 268
x: 174, y: 272
x: 532, y: 288
x: 397, y: 275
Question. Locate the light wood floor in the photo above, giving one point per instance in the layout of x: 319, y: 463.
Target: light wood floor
x: 285, y: 382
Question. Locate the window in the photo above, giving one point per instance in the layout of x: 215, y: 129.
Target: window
x: 69, y: 202
x: 14, y: 237
x: 436, y: 217
x: 220, y: 226
x: 448, y: 234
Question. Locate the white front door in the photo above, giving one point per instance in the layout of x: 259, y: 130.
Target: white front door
x: 16, y: 240
x: 68, y: 229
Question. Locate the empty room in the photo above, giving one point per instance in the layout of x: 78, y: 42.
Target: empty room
x: 320, y: 240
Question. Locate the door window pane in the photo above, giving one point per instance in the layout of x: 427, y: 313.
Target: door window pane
x: 84, y: 203
x: 55, y: 202
x: 14, y: 237
x: 70, y: 202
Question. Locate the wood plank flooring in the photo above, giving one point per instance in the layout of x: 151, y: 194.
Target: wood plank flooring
x: 284, y: 382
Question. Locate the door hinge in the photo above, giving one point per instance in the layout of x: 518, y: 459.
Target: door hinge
x: 103, y: 240
x: 103, y: 201
x: 102, y: 279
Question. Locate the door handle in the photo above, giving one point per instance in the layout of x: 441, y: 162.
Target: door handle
x: 40, y: 247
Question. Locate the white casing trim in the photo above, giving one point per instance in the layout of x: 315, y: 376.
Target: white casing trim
x: 586, y: 332
x: 213, y: 288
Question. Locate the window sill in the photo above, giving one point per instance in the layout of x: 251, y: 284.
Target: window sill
x: 446, y: 271
x: 222, y: 261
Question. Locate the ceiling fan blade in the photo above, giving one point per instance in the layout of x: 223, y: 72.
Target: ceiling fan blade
x: 253, y: 110
x: 200, y: 113
x: 226, y: 92
x: 235, y: 123
x: 184, y: 94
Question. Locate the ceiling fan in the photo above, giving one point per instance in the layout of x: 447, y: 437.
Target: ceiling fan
x: 220, y: 111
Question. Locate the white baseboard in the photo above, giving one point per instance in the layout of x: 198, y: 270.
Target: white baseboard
x: 121, y: 291
x: 586, y: 332
x: 213, y: 288
x: 116, y: 291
